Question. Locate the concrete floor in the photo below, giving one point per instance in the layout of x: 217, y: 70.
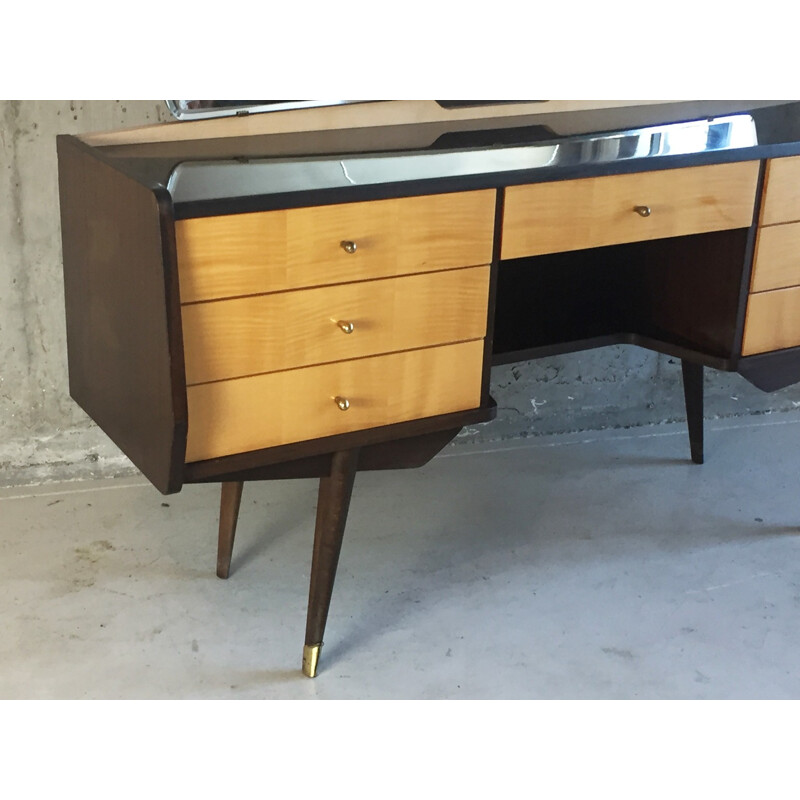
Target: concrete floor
x: 574, y: 566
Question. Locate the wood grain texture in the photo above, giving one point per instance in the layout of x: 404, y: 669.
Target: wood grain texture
x: 244, y: 414
x: 122, y: 312
x: 595, y: 212
x: 230, y: 501
x: 270, y: 251
x: 241, y: 466
x: 267, y: 333
x: 777, y: 258
x: 781, y: 191
x: 367, y: 114
x: 680, y: 292
x: 772, y: 322
x: 333, y: 503
x: 403, y: 453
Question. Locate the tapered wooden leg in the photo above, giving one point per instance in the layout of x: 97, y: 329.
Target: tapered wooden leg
x: 693, y: 394
x: 228, y: 515
x: 335, y: 491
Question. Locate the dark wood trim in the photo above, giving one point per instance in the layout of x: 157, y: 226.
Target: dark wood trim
x: 747, y: 269
x: 693, y: 395
x: 679, y: 296
x: 401, y: 454
x: 771, y: 371
x: 177, y: 365
x: 333, y: 504
x: 123, y: 319
x: 490, y: 316
x: 230, y: 501
x: 213, y: 469
x: 409, y: 453
x: 724, y: 364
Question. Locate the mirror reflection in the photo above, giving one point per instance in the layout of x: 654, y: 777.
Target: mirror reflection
x: 206, y: 109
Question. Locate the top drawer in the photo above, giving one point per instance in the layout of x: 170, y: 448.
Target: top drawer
x: 781, y: 191
x: 594, y: 212
x: 273, y: 251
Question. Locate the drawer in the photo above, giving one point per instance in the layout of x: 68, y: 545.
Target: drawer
x: 781, y: 191
x: 777, y: 258
x: 244, y: 414
x: 272, y: 251
x: 271, y: 332
x: 772, y: 322
x: 594, y: 212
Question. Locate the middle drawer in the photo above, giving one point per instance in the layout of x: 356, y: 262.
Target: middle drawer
x: 776, y: 264
x: 267, y: 333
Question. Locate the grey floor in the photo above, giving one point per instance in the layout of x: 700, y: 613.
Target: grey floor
x: 583, y: 566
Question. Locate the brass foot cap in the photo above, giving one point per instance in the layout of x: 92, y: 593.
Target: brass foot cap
x: 311, y: 659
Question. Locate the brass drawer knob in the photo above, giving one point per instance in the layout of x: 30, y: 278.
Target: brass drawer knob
x: 642, y: 211
x: 346, y: 327
x: 342, y: 402
x: 348, y: 246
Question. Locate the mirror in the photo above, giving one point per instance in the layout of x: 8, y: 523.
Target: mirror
x: 207, y: 109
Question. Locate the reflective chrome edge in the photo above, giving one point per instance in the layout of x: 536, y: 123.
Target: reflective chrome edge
x: 208, y: 180
x: 185, y: 114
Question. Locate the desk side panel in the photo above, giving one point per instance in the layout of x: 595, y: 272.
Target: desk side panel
x: 123, y: 312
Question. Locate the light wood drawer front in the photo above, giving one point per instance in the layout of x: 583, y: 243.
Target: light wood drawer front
x: 266, y: 333
x: 781, y: 191
x: 594, y: 212
x: 246, y: 414
x: 772, y: 322
x: 777, y: 258
x: 273, y: 251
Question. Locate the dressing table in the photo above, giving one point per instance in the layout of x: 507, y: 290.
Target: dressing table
x: 321, y: 291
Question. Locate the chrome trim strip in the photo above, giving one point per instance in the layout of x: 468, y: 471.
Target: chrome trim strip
x: 185, y: 113
x: 208, y: 180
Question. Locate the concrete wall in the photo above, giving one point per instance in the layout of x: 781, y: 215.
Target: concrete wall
x: 44, y: 435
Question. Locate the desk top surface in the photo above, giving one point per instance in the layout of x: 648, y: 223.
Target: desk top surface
x: 226, y: 174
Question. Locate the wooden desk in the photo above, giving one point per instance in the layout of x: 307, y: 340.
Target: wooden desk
x: 321, y: 332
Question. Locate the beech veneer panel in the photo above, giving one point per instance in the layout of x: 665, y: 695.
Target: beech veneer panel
x: 236, y: 416
x: 595, y: 212
x: 270, y: 251
x: 782, y: 191
x: 777, y: 258
x: 271, y: 332
x: 773, y: 321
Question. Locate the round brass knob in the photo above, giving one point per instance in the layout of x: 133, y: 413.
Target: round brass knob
x: 348, y: 246
x: 342, y: 402
x: 642, y: 211
x: 347, y: 327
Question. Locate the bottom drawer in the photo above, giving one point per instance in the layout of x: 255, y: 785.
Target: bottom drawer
x: 773, y: 321
x: 235, y: 416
